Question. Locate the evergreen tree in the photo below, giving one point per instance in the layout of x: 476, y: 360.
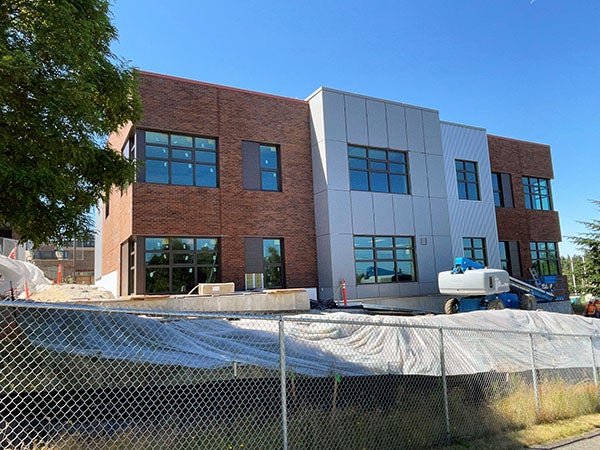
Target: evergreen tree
x: 589, y: 243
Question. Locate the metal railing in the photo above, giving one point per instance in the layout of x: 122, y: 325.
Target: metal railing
x: 74, y: 377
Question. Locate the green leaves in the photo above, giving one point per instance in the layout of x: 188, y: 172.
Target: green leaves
x: 61, y: 91
x: 589, y: 242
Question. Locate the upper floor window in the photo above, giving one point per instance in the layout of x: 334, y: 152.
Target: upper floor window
x: 537, y: 193
x: 474, y: 248
x: 467, y: 180
x: 544, y: 258
x: 261, y: 166
x: 181, y: 160
x: 497, y: 187
x: 501, y: 185
x: 378, y: 170
x: 384, y: 259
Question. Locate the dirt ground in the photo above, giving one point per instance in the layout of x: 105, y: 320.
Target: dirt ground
x: 70, y: 292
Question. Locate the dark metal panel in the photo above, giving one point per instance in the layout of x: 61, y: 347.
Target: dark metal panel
x: 507, y: 190
x: 251, y: 165
x: 253, y: 254
x: 514, y: 258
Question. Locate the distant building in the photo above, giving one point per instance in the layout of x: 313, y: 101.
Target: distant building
x: 276, y: 192
x: 74, y: 262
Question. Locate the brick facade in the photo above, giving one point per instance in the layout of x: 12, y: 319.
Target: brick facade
x: 519, y: 159
x: 228, y: 212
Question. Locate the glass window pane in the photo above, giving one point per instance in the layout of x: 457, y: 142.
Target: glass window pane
x: 399, y: 184
x: 404, y: 254
x: 182, y: 141
x: 397, y: 156
x: 182, y: 154
x: 206, y: 175
x: 398, y: 168
x: 472, y: 177
x: 365, y: 273
x: 377, y: 165
x: 357, y: 151
x: 470, y: 166
x: 157, y: 138
x: 406, y: 271
x: 355, y: 163
x: 207, y: 274
x: 363, y: 255
x: 157, y: 171
x: 157, y: 152
x: 183, y: 174
x: 183, y: 258
x: 385, y: 271
x: 157, y: 243
x: 157, y: 259
x: 273, y: 277
x: 269, y: 181
x: 206, y: 244
x: 404, y: 242
x: 183, y: 279
x: 379, y: 182
x: 157, y: 280
x: 472, y: 193
x: 206, y: 143
x: 382, y: 242
x: 377, y: 154
x: 182, y: 244
x: 462, y: 191
x: 268, y: 157
x: 459, y: 165
x: 363, y: 241
x: 359, y: 180
x: 384, y: 254
x: 206, y: 157
x: 272, y: 250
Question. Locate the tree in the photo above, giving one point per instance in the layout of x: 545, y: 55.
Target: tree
x: 589, y: 243
x: 573, y: 268
x: 62, y: 91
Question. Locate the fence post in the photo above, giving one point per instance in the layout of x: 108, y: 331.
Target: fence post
x: 444, y: 387
x: 594, y: 366
x: 284, y: 430
x: 534, y: 377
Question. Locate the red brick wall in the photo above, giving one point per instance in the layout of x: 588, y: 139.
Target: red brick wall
x: 520, y: 158
x: 116, y: 228
x: 228, y: 212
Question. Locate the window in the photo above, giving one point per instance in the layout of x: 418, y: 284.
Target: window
x: 467, y: 180
x: 378, y: 170
x: 273, y: 267
x: 501, y: 184
x: 544, y: 258
x: 181, y: 160
x: 509, y: 257
x: 384, y: 259
x: 179, y: 264
x: 261, y: 166
x: 537, y: 193
x: 474, y: 249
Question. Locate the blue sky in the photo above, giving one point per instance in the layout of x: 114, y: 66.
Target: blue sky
x: 519, y: 68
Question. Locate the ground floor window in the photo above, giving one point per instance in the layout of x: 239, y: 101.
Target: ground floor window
x: 544, y: 258
x: 265, y: 262
x: 384, y: 259
x: 273, y: 263
x: 474, y: 249
x: 178, y: 264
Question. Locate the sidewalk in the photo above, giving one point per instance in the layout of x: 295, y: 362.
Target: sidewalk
x: 588, y: 441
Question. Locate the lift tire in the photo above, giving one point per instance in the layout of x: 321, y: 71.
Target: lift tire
x: 495, y: 304
x: 451, y: 306
x: 527, y: 302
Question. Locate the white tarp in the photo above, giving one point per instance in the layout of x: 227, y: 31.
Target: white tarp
x: 323, y: 344
x: 15, y: 271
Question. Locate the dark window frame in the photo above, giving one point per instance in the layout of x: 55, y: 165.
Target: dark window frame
x: 173, y: 157
x: 381, y: 254
x: 471, y: 245
x: 497, y: 189
x: 538, y: 194
x: 545, y: 257
x: 373, y: 165
x: 462, y: 179
x: 174, y: 260
x: 270, y: 265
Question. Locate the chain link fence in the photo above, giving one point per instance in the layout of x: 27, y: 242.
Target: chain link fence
x: 75, y: 377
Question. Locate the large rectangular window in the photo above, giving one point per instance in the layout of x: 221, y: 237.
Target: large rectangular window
x: 537, y: 193
x: 509, y: 257
x: 261, y: 166
x: 467, y: 180
x: 180, y: 159
x: 177, y: 265
x: 501, y: 185
x: 273, y: 263
x: 378, y: 170
x: 384, y: 259
x: 474, y: 249
x: 544, y: 258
